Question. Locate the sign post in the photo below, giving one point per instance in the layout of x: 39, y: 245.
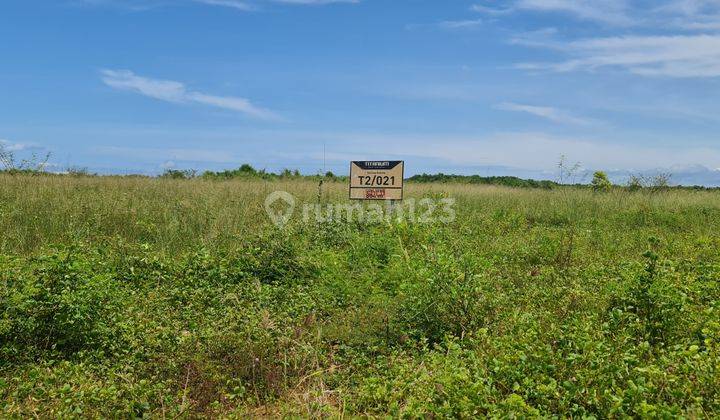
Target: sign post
x: 377, y: 180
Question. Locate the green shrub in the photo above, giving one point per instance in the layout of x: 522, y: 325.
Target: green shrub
x: 600, y: 181
x: 652, y: 305
x: 446, y: 297
x: 61, y: 304
x: 179, y: 299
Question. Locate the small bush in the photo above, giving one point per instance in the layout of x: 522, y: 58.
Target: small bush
x: 446, y: 299
x: 651, y: 305
x: 61, y: 305
x: 178, y: 174
x: 600, y: 181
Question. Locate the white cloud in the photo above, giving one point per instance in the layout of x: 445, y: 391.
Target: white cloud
x: 249, y: 5
x: 128, y: 5
x: 460, y: 24
x: 315, y: 2
x: 447, y: 24
x: 491, y: 10
x: 9, y: 146
x: 165, y: 90
x: 681, y: 55
x: 613, y: 12
x: 683, y: 14
x: 691, y: 14
x: 241, y: 5
x: 669, y: 56
x: 606, y: 11
x: 233, y: 4
x: 176, y: 92
x: 549, y: 113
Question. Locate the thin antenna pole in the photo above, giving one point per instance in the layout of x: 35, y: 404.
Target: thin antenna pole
x: 322, y: 178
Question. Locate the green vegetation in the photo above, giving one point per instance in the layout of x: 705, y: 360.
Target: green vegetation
x: 600, y: 181
x: 508, y: 181
x: 245, y: 171
x: 161, y: 297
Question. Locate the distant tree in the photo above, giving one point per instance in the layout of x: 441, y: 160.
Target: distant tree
x: 178, y: 174
x: 509, y: 181
x: 600, y: 181
x: 654, y: 183
x: 660, y: 181
x: 329, y: 175
x: 247, y: 169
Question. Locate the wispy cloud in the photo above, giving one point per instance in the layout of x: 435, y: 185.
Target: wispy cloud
x: 613, y: 12
x: 690, y: 14
x: 607, y: 11
x: 493, y: 11
x: 241, y: 5
x: 126, y: 5
x: 250, y: 5
x: 681, y: 14
x: 315, y: 2
x: 177, y: 92
x: 447, y: 24
x: 546, y: 112
x: 233, y: 4
x: 10, y: 146
x: 681, y: 56
x: 460, y: 24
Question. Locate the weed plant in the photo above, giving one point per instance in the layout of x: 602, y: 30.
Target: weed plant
x: 137, y: 297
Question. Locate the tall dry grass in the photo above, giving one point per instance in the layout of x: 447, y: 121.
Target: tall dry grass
x: 174, y: 215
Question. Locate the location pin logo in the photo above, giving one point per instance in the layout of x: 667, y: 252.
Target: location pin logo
x: 280, y: 217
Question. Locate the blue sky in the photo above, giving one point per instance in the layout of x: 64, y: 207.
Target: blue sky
x: 489, y: 87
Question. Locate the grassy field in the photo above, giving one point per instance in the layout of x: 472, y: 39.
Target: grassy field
x: 126, y: 297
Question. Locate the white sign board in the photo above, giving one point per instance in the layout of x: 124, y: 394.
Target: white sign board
x: 377, y: 180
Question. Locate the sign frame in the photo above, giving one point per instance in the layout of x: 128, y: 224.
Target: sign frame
x: 393, y: 164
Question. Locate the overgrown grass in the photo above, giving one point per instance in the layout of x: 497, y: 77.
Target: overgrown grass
x: 158, y: 297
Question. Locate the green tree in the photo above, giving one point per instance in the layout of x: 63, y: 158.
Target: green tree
x: 600, y: 181
x: 247, y: 169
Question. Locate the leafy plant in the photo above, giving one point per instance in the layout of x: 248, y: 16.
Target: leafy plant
x: 600, y: 181
x: 180, y: 299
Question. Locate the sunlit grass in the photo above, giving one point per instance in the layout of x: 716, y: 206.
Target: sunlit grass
x: 177, y: 215
x: 131, y: 297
